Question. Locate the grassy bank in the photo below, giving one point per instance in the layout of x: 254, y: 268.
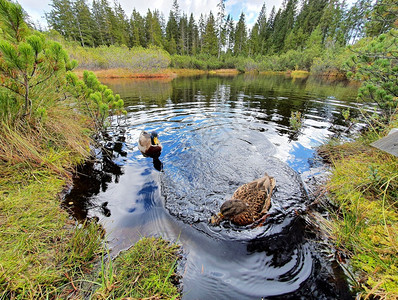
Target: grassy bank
x: 364, y: 226
x: 44, y: 254
x: 48, y: 118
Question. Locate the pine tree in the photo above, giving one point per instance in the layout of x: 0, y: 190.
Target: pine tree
x: 157, y: 29
x: 383, y: 14
x: 153, y: 29
x: 108, y: 22
x: 149, y: 40
x: 85, y: 22
x: 171, y: 32
x: 202, y: 29
x: 262, y: 29
x: 99, y: 32
x: 62, y: 19
x: 283, y: 24
x: 229, y: 33
x: 254, y: 41
x: 221, y: 25
x: 138, y: 31
x: 240, y: 46
x: 183, y: 35
x: 193, y: 36
x: 121, y: 25
x: 210, y: 41
x: 28, y: 63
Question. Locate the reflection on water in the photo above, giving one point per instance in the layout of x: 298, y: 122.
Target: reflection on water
x: 217, y: 134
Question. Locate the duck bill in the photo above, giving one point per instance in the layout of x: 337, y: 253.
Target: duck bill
x: 156, y: 141
x: 216, y: 219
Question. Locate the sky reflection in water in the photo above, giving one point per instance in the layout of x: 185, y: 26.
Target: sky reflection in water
x: 218, y: 133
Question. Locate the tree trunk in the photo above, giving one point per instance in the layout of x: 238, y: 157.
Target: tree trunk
x: 27, y: 101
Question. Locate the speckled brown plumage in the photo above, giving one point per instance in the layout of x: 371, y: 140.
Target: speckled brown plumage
x: 249, y: 203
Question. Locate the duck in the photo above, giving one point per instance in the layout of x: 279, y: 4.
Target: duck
x: 249, y: 203
x: 149, y: 144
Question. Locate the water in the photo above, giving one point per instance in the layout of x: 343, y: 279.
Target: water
x: 217, y: 134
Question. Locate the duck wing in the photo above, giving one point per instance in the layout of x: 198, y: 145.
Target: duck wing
x: 257, y: 194
x: 144, y: 141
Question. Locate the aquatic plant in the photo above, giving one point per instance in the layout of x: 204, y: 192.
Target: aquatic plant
x: 295, y: 120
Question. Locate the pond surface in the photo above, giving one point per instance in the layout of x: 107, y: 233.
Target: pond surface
x: 219, y: 132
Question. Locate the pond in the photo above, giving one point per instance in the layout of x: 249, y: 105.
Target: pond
x: 219, y: 132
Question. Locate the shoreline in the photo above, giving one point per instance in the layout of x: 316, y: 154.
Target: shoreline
x: 172, y: 73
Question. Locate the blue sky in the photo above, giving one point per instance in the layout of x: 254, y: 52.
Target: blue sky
x: 251, y: 8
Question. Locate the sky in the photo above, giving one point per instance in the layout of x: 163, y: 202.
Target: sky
x: 251, y: 8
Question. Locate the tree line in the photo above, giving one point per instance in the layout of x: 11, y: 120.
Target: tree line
x: 294, y: 26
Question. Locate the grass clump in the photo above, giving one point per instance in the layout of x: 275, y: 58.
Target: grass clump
x: 364, y: 188
x: 147, y: 270
x: 40, y: 252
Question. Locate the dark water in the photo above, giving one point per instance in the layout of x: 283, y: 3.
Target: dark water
x: 217, y: 134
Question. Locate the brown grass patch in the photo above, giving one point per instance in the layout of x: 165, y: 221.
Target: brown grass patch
x: 126, y: 73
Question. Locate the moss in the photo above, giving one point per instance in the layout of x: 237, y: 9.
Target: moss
x: 364, y: 187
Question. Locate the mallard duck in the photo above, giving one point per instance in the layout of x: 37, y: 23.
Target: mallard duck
x: 249, y: 203
x: 149, y: 144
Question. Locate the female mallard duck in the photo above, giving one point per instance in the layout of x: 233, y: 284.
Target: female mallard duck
x: 249, y: 203
x: 149, y: 144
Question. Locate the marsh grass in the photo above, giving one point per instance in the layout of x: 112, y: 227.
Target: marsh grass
x: 58, y: 143
x: 126, y: 73
x: 364, y: 188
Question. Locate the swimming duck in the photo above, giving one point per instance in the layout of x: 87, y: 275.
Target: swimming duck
x: 249, y: 203
x: 149, y: 144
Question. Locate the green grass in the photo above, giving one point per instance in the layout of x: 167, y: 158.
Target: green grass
x: 45, y: 254
x: 145, y: 270
x: 41, y: 248
x: 364, y: 187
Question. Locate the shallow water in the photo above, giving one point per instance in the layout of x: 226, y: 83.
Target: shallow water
x: 217, y: 134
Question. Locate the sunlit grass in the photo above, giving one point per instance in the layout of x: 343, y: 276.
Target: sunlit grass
x: 146, y: 270
x: 364, y: 186
x: 300, y: 74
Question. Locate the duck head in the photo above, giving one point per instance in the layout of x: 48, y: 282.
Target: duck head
x: 154, y: 138
x: 228, y: 210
